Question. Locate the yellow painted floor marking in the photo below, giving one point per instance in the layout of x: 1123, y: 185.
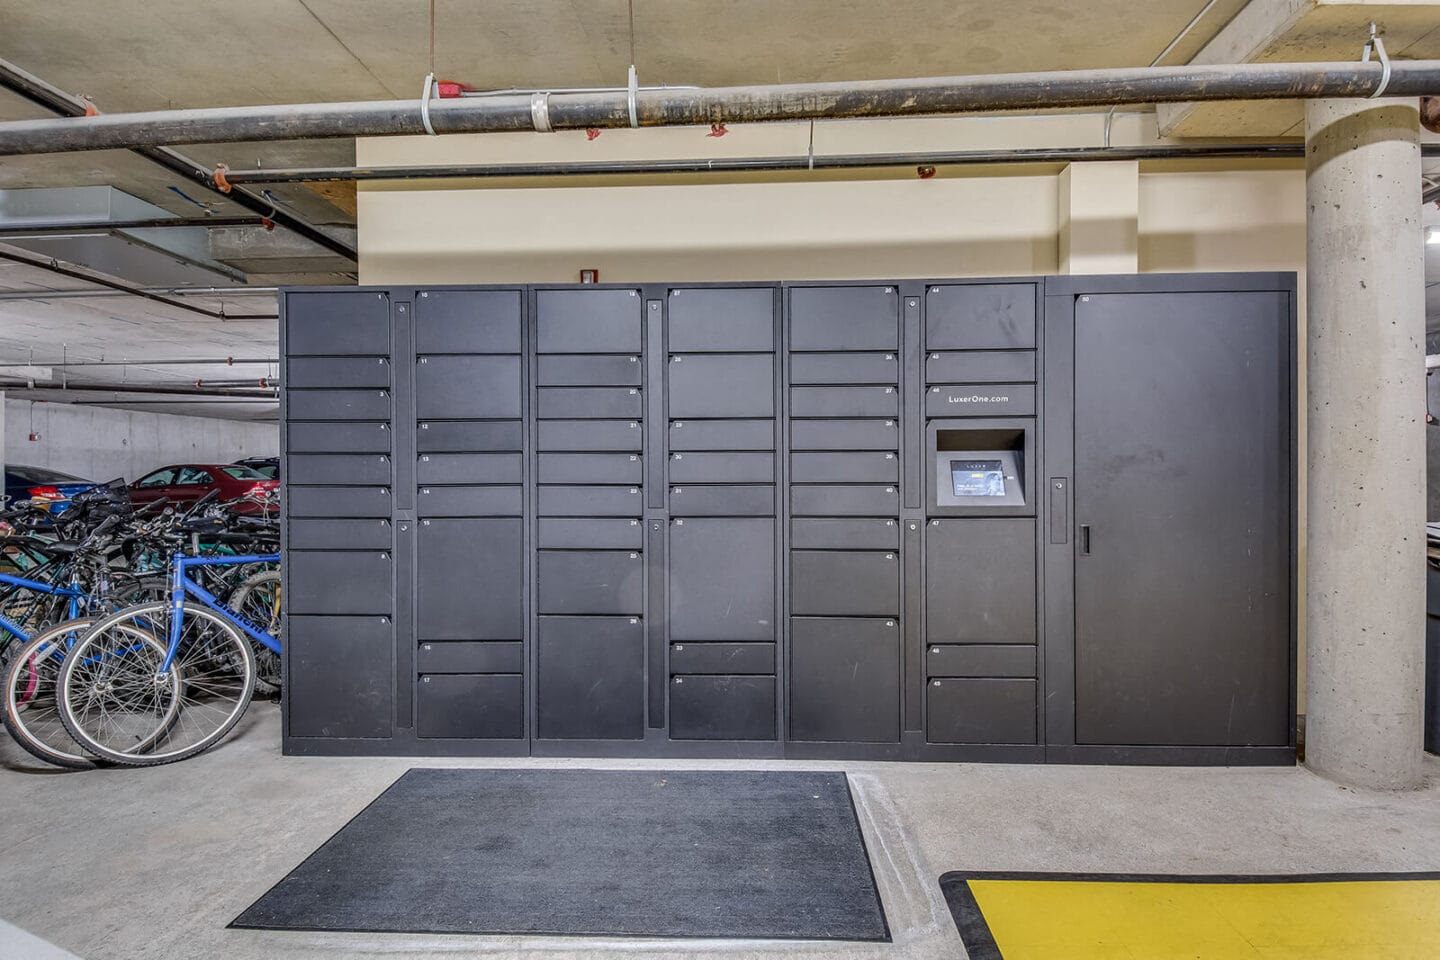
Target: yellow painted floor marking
x: 1161, y: 920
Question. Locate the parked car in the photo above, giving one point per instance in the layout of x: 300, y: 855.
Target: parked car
x: 187, y: 482
x: 267, y: 466
x: 43, y: 486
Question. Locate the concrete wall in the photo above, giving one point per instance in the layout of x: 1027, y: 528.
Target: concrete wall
x: 102, y: 444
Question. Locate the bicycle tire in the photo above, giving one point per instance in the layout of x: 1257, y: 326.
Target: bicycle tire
x: 27, y: 687
x: 268, y: 677
x: 77, y: 683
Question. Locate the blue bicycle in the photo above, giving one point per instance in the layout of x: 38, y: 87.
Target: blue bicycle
x: 34, y: 603
x: 80, y: 581
x: 162, y: 681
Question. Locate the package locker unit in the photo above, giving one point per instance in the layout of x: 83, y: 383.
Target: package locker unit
x: 1007, y: 519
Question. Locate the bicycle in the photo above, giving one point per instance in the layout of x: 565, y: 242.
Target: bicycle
x: 132, y: 699
x: 81, y: 582
x: 31, y: 705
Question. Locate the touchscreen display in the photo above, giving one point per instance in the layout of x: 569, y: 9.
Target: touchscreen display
x: 977, y: 478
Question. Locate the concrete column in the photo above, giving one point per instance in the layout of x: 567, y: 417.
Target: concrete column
x: 1366, y: 460
x: 1099, y: 207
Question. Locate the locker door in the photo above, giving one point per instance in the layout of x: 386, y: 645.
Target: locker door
x: 470, y: 580
x: 1182, y: 504
x: 722, y: 579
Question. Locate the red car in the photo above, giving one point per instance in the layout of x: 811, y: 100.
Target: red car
x: 185, y: 483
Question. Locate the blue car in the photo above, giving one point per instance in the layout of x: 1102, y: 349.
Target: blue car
x: 43, y: 485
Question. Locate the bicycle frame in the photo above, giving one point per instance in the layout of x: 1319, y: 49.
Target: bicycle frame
x: 181, y: 585
x: 74, y: 593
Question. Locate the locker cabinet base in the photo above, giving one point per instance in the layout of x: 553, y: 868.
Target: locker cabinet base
x: 657, y: 745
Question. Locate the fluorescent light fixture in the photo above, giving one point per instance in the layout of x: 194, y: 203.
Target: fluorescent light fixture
x: 1432, y: 234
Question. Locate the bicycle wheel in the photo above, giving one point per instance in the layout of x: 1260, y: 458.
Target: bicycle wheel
x: 32, y: 611
x: 117, y: 704
x: 32, y: 713
x: 258, y: 600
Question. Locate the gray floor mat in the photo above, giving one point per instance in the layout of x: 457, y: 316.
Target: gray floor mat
x: 592, y: 852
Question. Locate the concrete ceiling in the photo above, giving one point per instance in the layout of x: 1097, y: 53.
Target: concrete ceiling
x: 65, y: 335
x: 178, y: 53
x: 1281, y: 31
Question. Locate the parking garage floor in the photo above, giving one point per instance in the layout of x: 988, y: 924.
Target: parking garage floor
x: 156, y: 862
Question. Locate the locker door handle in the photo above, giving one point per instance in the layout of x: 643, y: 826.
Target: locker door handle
x: 1084, y: 539
x: 1059, y: 510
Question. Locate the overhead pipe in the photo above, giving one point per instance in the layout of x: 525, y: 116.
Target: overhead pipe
x: 52, y: 98
x: 30, y: 228
x: 757, y: 164
x: 216, y: 361
x: 93, y: 293
x: 1175, y: 42
x: 187, y: 401
x: 56, y: 267
x: 741, y: 104
x: 101, y: 386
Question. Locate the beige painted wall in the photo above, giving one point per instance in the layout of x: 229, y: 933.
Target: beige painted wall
x: 754, y: 231
x: 884, y: 224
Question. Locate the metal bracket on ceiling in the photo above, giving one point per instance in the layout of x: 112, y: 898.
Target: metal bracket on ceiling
x: 632, y: 84
x: 540, y: 113
x: 425, y: 103
x: 1376, y: 45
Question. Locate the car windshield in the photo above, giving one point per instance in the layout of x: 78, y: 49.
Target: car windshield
x: 42, y: 475
x: 244, y: 473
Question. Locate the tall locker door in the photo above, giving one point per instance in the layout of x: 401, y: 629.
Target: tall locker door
x: 469, y: 541
x: 341, y: 568
x: 1182, y: 508
x: 720, y: 377
x: 590, y: 562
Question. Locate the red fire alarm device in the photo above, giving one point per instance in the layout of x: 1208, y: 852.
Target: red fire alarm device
x: 589, y: 276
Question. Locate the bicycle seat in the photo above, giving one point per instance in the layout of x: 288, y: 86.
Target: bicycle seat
x: 60, y: 548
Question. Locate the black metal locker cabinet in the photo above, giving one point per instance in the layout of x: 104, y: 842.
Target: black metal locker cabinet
x: 844, y: 560
x: 469, y: 538
x: 768, y: 519
x: 1181, y: 501
x: 721, y: 379
x: 339, y: 570
x: 980, y: 587
x: 590, y: 563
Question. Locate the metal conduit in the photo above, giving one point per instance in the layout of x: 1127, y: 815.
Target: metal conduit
x: 746, y: 104
x: 56, y: 267
x: 1294, y: 150
x: 27, y: 228
x: 100, y: 386
x: 94, y: 293
x: 206, y: 361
